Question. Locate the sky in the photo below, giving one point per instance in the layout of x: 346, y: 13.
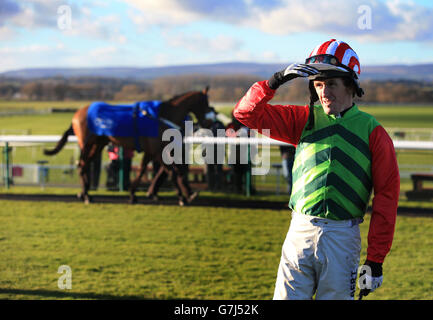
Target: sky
x: 146, y: 33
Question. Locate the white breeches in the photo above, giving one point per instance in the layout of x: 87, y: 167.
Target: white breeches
x: 319, y: 256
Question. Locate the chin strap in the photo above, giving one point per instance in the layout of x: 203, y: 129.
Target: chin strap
x: 310, y: 123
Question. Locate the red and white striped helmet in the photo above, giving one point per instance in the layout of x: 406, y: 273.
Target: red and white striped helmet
x: 335, y: 55
x: 334, y: 58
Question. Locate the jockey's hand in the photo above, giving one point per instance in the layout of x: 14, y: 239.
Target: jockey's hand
x: 293, y: 71
x: 370, y: 277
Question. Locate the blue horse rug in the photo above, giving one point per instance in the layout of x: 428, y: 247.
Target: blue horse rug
x: 138, y: 119
x: 132, y: 120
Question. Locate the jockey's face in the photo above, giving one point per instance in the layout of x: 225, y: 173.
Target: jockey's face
x: 333, y: 95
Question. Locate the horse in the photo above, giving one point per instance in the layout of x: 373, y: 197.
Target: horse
x: 172, y: 111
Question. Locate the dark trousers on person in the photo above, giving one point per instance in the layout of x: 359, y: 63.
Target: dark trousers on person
x: 94, y: 172
x: 113, y: 174
x: 239, y: 176
x: 214, y: 176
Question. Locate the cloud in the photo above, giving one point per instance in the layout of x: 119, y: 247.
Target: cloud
x: 175, y: 12
x: 161, y: 12
x: 103, y: 52
x: 6, y: 33
x: 405, y: 21
x: 90, y: 26
x: 31, y: 49
x: 33, y: 14
x: 36, y: 14
x: 270, y: 56
x: 199, y: 43
x: 8, y: 8
x: 390, y: 20
x: 387, y: 20
x: 16, y: 57
x: 368, y: 20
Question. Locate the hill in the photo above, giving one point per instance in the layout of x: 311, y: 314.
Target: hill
x: 419, y: 72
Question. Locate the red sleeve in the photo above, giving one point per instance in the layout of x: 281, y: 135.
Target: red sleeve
x: 285, y: 123
x: 386, y: 186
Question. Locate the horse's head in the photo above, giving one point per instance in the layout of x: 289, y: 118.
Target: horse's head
x: 200, y: 105
x: 195, y: 101
x: 202, y: 108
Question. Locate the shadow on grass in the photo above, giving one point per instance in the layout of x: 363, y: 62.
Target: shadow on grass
x: 165, y: 200
x: 403, y: 210
x: 67, y: 294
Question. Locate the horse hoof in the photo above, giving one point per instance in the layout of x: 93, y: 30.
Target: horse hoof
x: 192, y: 196
x: 84, y: 197
x: 183, y: 202
x: 133, y: 200
x: 153, y: 197
x: 87, y: 199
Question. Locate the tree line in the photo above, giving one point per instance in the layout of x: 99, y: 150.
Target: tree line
x: 224, y: 88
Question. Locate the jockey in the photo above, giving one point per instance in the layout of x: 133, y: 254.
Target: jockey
x: 342, y: 155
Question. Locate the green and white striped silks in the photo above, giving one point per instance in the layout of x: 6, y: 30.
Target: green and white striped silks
x: 332, y: 168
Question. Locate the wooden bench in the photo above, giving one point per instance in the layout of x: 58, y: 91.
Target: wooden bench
x: 419, y: 192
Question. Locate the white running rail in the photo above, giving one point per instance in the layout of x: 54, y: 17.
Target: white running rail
x: 398, y: 144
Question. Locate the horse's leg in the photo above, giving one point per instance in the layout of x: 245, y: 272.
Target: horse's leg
x: 157, y: 181
x: 184, y: 168
x: 135, y: 183
x: 180, y: 180
x: 91, y: 149
x: 83, y: 172
x: 182, y: 194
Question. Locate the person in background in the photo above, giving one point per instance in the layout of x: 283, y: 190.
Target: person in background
x: 114, y: 167
x: 237, y: 161
x: 214, y: 168
x: 94, y: 172
x: 287, y: 158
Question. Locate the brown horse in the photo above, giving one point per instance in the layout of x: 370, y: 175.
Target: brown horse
x: 174, y: 110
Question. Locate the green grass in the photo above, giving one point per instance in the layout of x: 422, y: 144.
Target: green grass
x: 408, y: 272
x: 9, y: 105
x: 409, y: 116
x: 160, y: 252
x: 57, y: 123
x: 37, y: 124
x: 146, y: 252
x: 402, y: 116
x: 390, y: 116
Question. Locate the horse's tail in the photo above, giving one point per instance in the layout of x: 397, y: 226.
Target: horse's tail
x: 61, y: 142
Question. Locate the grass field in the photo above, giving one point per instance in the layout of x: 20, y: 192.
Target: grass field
x: 407, y: 116
x: 160, y: 252
x: 392, y: 116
